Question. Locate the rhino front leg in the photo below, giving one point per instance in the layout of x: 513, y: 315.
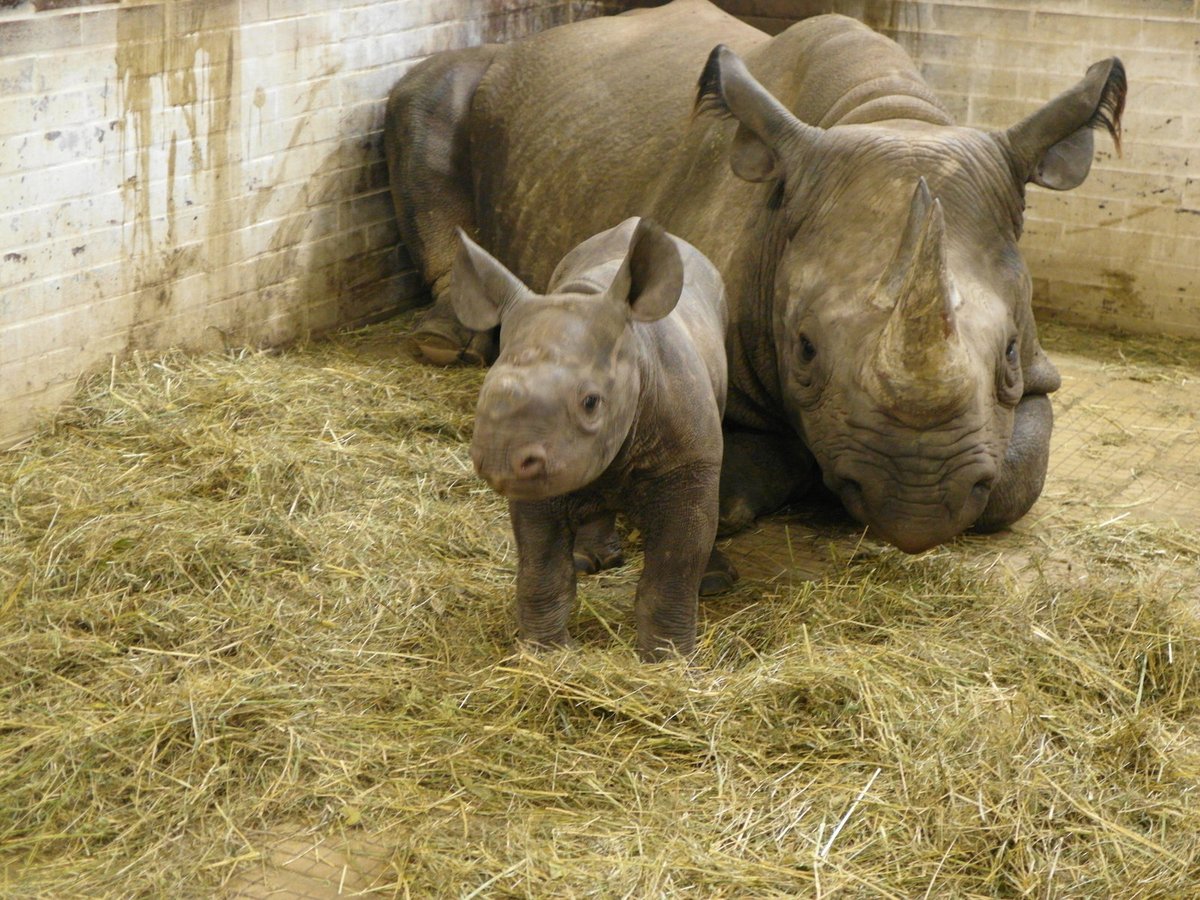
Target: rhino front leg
x: 679, y: 522
x: 545, y: 572
x: 761, y: 472
x: 1024, y: 469
x: 430, y: 170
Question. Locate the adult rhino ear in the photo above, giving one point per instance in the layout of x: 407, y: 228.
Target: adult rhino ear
x: 764, y: 124
x: 650, y: 278
x: 481, y: 289
x: 1054, y: 146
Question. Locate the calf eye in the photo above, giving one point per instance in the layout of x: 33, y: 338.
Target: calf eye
x: 591, y: 403
x: 807, y: 351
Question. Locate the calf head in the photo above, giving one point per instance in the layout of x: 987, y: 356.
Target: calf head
x: 559, y: 402
x: 900, y: 305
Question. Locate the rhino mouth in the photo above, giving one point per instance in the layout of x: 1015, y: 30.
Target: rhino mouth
x: 915, y: 528
x: 539, y: 488
x: 915, y: 541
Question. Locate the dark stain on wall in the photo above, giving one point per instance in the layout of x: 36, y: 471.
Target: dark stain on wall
x: 164, y: 45
x: 1122, y: 296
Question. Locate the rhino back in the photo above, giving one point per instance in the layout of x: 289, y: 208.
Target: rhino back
x: 573, y: 130
x: 832, y: 70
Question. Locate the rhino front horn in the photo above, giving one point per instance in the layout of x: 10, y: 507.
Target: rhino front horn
x: 920, y: 366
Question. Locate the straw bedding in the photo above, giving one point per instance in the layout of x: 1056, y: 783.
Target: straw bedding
x: 258, y: 591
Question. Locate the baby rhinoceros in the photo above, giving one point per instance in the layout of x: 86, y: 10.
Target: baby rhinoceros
x: 607, y: 397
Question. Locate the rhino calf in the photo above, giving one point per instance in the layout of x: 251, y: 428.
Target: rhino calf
x: 607, y: 397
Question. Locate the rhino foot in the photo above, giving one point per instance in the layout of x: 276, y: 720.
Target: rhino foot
x: 720, y: 575
x: 598, y: 546
x: 760, y: 472
x: 442, y: 341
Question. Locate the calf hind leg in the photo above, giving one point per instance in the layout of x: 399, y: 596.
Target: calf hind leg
x: 598, y: 546
x: 761, y: 472
x: 429, y: 168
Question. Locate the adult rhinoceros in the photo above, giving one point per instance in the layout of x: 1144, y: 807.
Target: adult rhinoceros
x: 880, y: 309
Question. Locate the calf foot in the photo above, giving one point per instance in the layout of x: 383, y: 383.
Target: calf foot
x: 720, y: 575
x: 590, y: 560
x: 543, y: 645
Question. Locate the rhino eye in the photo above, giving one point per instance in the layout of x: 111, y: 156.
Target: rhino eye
x: 591, y: 403
x: 807, y: 351
x: 1010, y: 352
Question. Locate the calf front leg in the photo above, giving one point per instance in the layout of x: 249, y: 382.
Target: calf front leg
x: 678, y: 519
x: 545, y: 572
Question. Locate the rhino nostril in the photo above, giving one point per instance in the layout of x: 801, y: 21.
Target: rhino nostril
x: 850, y: 491
x: 982, y: 488
x: 530, y: 462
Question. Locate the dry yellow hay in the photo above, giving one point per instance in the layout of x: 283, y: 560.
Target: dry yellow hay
x: 253, y: 591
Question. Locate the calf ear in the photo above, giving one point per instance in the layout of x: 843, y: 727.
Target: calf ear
x: 481, y: 289
x: 650, y: 278
x: 1054, y: 146
x: 765, y: 125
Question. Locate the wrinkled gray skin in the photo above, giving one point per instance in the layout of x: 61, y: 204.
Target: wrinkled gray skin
x: 606, y: 397
x: 881, y: 335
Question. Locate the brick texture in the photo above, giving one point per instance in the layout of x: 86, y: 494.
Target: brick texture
x: 209, y: 173
x: 204, y: 173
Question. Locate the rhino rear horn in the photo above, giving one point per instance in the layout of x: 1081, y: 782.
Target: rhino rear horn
x: 1053, y: 147
x: 650, y: 278
x: 482, y: 290
x: 764, y: 124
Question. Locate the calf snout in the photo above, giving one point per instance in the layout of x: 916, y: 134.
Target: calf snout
x: 518, y: 471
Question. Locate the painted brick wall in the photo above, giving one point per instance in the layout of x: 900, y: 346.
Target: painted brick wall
x: 209, y: 173
x: 203, y: 173
x: 1122, y: 250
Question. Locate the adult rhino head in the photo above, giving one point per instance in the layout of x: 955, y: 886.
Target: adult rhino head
x: 899, y: 305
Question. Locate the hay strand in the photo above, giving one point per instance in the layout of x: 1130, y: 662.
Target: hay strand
x: 256, y: 609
